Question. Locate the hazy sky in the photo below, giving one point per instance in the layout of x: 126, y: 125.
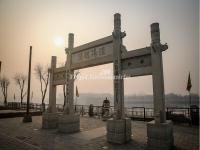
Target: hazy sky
x: 45, y: 24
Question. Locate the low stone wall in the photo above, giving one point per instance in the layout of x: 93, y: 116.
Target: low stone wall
x: 18, y: 114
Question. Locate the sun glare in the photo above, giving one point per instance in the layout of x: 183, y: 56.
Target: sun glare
x: 59, y: 41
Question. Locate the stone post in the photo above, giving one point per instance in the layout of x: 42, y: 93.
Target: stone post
x: 69, y: 77
x: 118, y: 128
x: 118, y: 80
x: 159, y: 131
x: 50, y: 118
x: 52, y: 88
x: 69, y: 122
x: 157, y: 75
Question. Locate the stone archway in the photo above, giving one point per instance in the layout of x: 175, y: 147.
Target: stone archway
x: 110, y: 49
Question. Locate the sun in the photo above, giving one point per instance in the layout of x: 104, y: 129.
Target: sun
x: 59, y: 41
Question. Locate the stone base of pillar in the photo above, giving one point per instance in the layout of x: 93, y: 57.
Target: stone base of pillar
x: 49, y: 120
x: 119, y: 131
x: 69, y: 123
x: 160, y: 136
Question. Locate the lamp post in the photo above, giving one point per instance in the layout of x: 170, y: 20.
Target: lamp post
x: 28, y: 117
x: 0, y: 66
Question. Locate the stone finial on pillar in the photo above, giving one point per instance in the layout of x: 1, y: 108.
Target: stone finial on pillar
x: 155, y: 33
x: 71, y: 41
x: 117, y: 22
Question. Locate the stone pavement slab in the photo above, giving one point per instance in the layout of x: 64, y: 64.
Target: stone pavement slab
x: 9, y: 143
x: 91, y: 134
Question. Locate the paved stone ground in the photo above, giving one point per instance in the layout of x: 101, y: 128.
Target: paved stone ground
x: 16, y: 135
x: 7, y: 142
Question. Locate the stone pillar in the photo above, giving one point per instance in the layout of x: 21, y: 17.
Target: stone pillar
x: 69, y: 78
x: 118, y: 128
x: 52, y: 87
x: 50, y: 118
x: 157, y: 75
x: 118, y: 80
x: 159, y: 131
x: 69, y: 122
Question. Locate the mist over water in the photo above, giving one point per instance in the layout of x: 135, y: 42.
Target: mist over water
x: 171, y: 100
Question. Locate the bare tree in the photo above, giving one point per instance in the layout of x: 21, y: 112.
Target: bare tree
x: 43, y: 75
x: 4, y: 83
x: 64, y: 86
x: 20, y: 80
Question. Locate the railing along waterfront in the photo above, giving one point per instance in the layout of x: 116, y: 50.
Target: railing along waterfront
x: 174, y: 113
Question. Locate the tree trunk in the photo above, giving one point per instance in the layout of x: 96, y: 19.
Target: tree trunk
x: 43, y: 104
x: 21, y: 99
x: 5, y: 97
